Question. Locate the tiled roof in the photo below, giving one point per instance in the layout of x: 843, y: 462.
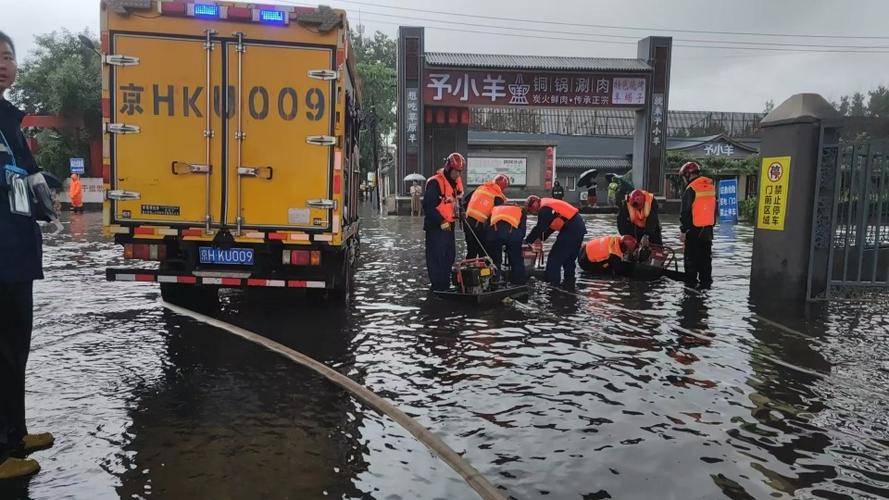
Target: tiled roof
x: 549, y: 63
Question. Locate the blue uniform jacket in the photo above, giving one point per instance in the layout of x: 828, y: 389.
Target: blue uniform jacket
x: 21, y: 243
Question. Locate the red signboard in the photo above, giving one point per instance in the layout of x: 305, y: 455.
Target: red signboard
x: 525, y: 88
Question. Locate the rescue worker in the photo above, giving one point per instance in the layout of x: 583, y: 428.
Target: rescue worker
x: 440, y: 206
x: 607, y: 255
x: 638, y: 217
x: 75, y: 192
x: 21, y: 248
x: 696, y: 219
x: 508, y: 225
x: 478, y: 214
x: 557, y: 215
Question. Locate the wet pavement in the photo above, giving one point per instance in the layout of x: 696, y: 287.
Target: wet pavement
x: 617, y: 390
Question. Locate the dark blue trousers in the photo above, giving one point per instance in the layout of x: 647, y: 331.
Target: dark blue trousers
x: 512, y: 239
x: 563, y: 255
x: 16, y: 304
x: 441, y: 250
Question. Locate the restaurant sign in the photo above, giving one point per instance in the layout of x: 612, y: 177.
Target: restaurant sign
x: 510, y: 88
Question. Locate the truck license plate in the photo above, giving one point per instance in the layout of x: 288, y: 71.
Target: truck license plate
x: 241, y: 256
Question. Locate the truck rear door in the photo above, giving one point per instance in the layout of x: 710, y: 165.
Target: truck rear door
x: 278, y: 144
x: 265, y: 164
x: 164, y: 134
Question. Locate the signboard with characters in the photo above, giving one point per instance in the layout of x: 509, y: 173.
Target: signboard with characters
x: 728, y: 200
x: 774, y: 181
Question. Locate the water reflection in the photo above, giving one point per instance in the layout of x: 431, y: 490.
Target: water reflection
x: 212, y: 426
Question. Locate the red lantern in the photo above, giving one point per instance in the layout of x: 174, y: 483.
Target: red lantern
x: 440, y: 116
x: 548, y: 185
x: 549, y: 174
x: 428, y: 115
x: 549, y: 163
x: 550, y: 151
x: 464, y: 117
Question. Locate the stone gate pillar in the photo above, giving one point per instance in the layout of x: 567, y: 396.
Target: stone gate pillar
x: 791, y: 146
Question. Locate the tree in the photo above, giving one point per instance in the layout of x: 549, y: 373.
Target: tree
x: 769, y: 106
x: 856, y: 108
x: 878, y: 102
x: 62, y: 77
x: 376, y: 59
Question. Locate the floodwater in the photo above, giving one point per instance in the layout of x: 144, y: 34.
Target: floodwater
x: 617, y: 390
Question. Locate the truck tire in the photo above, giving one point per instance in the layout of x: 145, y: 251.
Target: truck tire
x: 197, y: 298
x: 342, y: 292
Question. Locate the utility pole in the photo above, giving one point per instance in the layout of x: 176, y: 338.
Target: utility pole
x: 376, y: 153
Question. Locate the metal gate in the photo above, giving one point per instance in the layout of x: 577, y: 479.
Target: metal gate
x: 849, y: 255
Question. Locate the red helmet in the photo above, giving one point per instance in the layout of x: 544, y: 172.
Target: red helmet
x: 628, y: 243
x: 455, y: 161
x: 502, y: 181
x: 636, y: 199
x: 532, y: 202
x: 689, y: 167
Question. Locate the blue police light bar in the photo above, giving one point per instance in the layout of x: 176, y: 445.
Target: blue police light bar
x: 206, y: 10
x: 272, y: 16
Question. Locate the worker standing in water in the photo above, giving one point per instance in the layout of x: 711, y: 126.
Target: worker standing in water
x: 608, y: 255
x: 507, y: 229
x: 638, y: 217
x: 696, y: 220
x: 478, y: 214
x: 75, y: 192
x: 557, y: 216
x: 441, y: 202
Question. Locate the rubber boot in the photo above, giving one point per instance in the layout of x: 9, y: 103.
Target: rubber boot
x: 32, y: 443
x: 13, y: 468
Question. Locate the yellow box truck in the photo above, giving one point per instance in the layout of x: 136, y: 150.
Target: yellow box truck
x: 231, y: 145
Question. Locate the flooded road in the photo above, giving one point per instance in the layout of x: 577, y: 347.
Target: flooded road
x: 617, y: 390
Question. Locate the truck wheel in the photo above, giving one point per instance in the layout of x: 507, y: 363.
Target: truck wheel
x: 343, y: 291
x: 198, y: 298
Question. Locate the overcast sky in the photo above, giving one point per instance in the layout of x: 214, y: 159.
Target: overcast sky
x: 702, y: 78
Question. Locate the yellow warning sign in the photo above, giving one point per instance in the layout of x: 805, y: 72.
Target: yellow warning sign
x: 773, y: 182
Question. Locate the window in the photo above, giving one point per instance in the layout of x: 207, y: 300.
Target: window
x: 571, y: 183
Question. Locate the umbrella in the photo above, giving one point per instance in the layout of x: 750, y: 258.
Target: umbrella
x: 587, y: 178
x: 414, y: 177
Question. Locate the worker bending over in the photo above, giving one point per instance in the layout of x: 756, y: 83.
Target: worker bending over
x: 556, y: 215
x: 638, y: 217
x: 696, y: 219
x: 478, y: 214
x: 507, y: 229
x: 440, y: 205
x: 608, y: 255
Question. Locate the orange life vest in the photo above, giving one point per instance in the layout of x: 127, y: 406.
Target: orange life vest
x: 639, y: 217
x: 482, y: 201
x: 703, y: 210
x: 601, y: 249
x: 564, y: 211
x: 509, y: 213
x: 447, y: 204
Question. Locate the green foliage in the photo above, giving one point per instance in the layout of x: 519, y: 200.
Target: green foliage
x: 61, y: 77
x: 878, y: 102
x: 56, y: 147
x: 376, y: 59
x: 747, y: 209
x: 874, y: 104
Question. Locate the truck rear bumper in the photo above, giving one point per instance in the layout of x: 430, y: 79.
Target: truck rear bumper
x: 218, y: 280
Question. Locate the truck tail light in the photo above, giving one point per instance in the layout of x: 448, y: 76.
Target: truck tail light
x: 142, y: 251
x: 302, y: 257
